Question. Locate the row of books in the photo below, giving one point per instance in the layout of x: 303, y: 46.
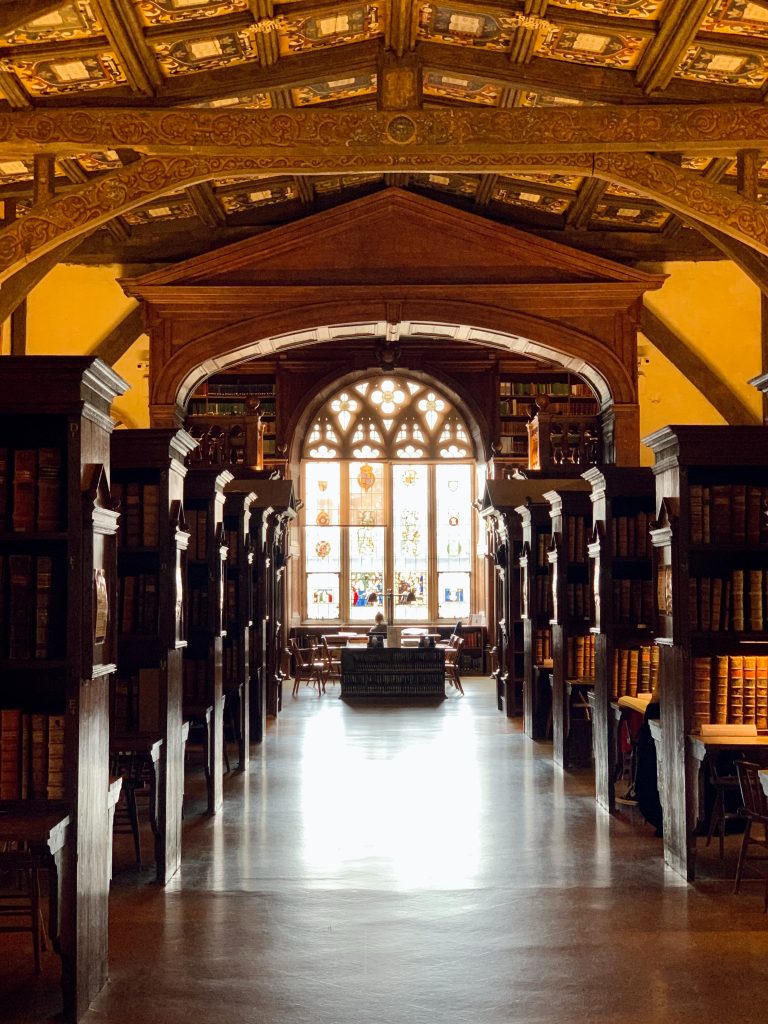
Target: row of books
x: 543, y: 544
x: 213, y: 389
x: 32, y: 490
x: 138, y: 608
x: 562, y: 389
x: 630, y: 537
x: 577, y: 600
x: 580, y: 657
x: 31, y: 756
x: 542, y: 595
x: 575, y: 539
x: 197, y: 524
x: 508, y: 445
x: 232, y: 540
x: 196, y: 687
x: 30, y: 623
x: 231, y: 655
x: 634, y: 670
x: 728, y: 514
x: 542, y: 646
x: 632, y: 602
x: 217, y: 408
x: 513, y: 428
x: 136, y: 703
x: 139, y: 506
x: 737, y: 602
x: 730, y: 690
x: 232, y: 610
x: 198, y: 607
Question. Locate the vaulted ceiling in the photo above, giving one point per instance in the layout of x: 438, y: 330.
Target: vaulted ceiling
x: 635, y: 129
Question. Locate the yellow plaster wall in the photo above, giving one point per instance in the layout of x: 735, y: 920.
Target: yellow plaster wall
x: 715, y: 309
x: 72, y: 310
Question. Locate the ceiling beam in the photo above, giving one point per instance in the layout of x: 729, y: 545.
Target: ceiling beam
x: 361, y: 138
x: 126, y: 38
x: 400, y: 26
x: 681, y: 21
x: 117, y: 342
x: 582, y: 208
x: 698, y: 372
x: 207, y: 206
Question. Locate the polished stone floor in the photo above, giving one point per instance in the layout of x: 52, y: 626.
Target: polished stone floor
x: 426, y: 866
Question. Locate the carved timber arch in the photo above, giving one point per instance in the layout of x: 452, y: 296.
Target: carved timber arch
x: 257, y: 144
x: 397, y: 266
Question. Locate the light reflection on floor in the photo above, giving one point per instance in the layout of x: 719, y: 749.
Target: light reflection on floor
x: 412, y: 807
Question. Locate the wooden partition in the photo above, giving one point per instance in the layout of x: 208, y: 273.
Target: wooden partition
x: 238, y: 617
x: 622, y: 604
x: 203, y: 703
x: 148, y: 470
x: 572, y: 661
x: 58, y: 642
x: 710, y: 572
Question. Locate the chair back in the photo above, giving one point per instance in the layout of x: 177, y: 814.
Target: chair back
x: 752, y: 793
x: 298, y: 653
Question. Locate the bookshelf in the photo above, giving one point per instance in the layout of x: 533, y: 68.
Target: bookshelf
x: 536, y: 611
x: 546, y: 421
x: 623, y: 609
x: 272, y: 512
x: 710, y: 557
x: 57, y: 631
x: 234, y: 417
x: 203, y: 701
x: 572, y: 642
x: 238, y: 616
x: 148, y: 471
x: 504, y: 525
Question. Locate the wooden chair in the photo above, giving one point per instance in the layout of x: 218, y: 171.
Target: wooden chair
x: 331, y: 654
x: 452, y: 655
x: 722, y: 785
x: 755, y: 810
x: 20, y: 904
x: 308, y: 668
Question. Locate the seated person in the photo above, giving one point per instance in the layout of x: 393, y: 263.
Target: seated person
x: 379, y: 627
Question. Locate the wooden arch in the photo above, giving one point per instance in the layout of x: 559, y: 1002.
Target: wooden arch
x: 397, y: 266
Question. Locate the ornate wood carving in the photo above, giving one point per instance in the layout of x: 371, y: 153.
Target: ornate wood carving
x: 366, y: 139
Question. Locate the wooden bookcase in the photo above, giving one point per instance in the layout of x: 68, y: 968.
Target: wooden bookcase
x: 623, y: 607
x: 57, y: 632
x: 528, y: 402
x: 271, y: 513
x: 203, y: 702
x: 148, y: 471
x: 710, y: 574
x: 536, y: 611
x: 234, y: 418
x: 504, y: 524
x: 238, y: 616
x: 572, y: 646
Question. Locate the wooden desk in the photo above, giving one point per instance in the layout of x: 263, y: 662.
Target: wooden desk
x: 755, y: 749
x: 44, y: 828
x: 393, y: 674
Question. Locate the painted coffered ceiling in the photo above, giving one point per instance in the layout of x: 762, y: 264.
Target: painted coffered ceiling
x: 301, y: 58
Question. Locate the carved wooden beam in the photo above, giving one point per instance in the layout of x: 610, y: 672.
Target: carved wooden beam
x: 17, y: 287
x: 748, y: 172
x: 692, y: 366
x: 360, y: 138
x: 207, y: 206
x: 590, y: 194
x: 681, y: 21
x: 117, y: 342
x: 688, y: 194
x: 83, y: 209
x: 126, y: 38
x: 13, y: 92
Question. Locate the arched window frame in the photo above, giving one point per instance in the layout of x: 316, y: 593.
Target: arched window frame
x: 388, y: 422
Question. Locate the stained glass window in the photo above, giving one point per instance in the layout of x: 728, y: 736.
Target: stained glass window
x: 388, y: 517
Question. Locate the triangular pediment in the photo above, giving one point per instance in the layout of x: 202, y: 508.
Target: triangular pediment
x: 393, y: 237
